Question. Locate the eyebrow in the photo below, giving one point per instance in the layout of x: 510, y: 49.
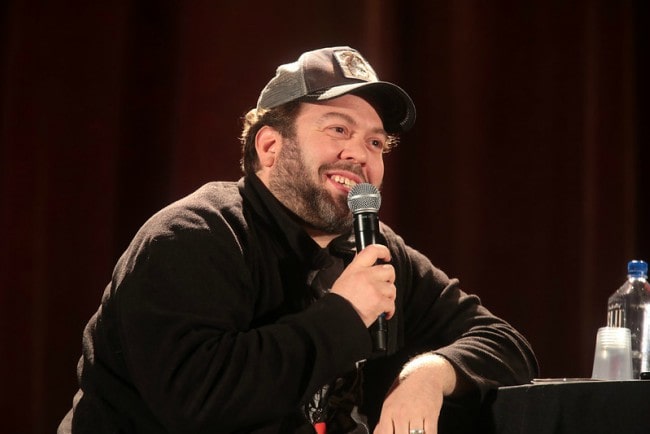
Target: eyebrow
x: 348, y: 119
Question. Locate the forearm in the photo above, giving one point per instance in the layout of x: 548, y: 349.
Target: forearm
x: 491, y: 354
x: 416, y: 397
x: 436, y: 370
x: 485, y: 350
x: 224, y: 381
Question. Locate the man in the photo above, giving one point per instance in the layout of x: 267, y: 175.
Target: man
x: 245, y: 308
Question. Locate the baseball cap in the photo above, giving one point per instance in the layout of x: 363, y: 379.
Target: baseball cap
x: 331, y: 72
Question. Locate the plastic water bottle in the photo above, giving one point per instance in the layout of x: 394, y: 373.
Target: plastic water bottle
x: 629, y: 307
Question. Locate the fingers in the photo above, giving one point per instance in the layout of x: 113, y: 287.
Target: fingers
x: 389, y: 291
x: 372, y: 254
x: 369, y: 286
x: 413, y: 404
x: 406, y: 426
x: 413, y: 422
x: 384, y: 273
x: 414, y: 425
x: 377, y: 257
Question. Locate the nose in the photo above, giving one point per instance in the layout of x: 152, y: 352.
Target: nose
x: 355, y: 150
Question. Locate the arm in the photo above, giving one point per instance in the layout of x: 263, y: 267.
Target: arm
x: 416, y: 397
x: 199, y: 351
x: 459, y: 345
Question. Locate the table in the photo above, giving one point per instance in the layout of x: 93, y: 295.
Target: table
x: 575, y: 407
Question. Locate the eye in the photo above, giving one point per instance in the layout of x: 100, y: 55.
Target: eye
x: 377, y: 144
x: 337, y: 129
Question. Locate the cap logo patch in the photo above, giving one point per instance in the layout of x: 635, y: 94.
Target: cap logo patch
x: 354, y: 66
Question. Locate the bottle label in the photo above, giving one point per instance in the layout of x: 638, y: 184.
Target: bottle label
x: 616, y: 315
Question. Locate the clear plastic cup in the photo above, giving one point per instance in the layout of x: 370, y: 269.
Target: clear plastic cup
x: 613, y: 355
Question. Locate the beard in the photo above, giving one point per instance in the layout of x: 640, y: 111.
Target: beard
x: 293, y: 184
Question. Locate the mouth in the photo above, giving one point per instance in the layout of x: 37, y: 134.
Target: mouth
x: 343, y: 181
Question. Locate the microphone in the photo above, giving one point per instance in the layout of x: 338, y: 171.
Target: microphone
x: 364, y: 201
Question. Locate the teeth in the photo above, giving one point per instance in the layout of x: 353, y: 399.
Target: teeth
x: 343, y: 180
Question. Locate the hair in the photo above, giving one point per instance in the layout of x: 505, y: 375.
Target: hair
x: 282, y: 119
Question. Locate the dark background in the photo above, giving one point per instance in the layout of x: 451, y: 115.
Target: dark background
x: 526, y: 175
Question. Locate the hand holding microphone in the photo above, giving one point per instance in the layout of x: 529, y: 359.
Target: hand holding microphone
x: 364, y: 201
x: 368, y: 284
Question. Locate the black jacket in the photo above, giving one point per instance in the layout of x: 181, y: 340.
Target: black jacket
x: 210, y: 325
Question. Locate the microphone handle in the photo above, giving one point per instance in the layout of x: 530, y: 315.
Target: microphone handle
x: 366, y: 230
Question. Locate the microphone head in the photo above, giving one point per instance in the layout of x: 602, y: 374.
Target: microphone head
x: 364, y: 197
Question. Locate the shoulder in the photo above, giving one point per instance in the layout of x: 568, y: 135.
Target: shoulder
x: 209, y: 218
x: 213, y: 206
x: 410, y: 259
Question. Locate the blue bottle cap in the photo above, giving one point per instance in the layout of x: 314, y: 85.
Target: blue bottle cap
x: 637, y: 269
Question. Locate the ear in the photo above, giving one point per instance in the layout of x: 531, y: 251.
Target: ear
x: 268, y: 142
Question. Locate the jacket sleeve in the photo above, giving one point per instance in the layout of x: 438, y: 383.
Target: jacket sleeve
x: 440, y: 317
x: 185, y: 308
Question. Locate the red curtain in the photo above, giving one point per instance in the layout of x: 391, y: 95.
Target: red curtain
x: 525, y: 175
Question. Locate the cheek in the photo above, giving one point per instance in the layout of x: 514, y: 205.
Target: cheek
x: 316, y: 157
x: 308, y: 158
x: 375, y: 170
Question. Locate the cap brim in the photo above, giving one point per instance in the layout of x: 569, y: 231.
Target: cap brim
x: 393, y: 104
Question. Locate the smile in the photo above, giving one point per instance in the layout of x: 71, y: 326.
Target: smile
x: 343, y: 181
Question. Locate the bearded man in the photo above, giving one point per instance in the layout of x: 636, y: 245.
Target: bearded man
x: 245, y: 308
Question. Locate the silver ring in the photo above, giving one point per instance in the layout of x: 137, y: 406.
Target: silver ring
x: 416, y: 431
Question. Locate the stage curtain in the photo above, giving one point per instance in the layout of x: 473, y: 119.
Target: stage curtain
x: 525, y: 175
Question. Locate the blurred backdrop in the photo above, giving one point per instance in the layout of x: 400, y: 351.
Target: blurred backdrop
x: 526, y: 175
